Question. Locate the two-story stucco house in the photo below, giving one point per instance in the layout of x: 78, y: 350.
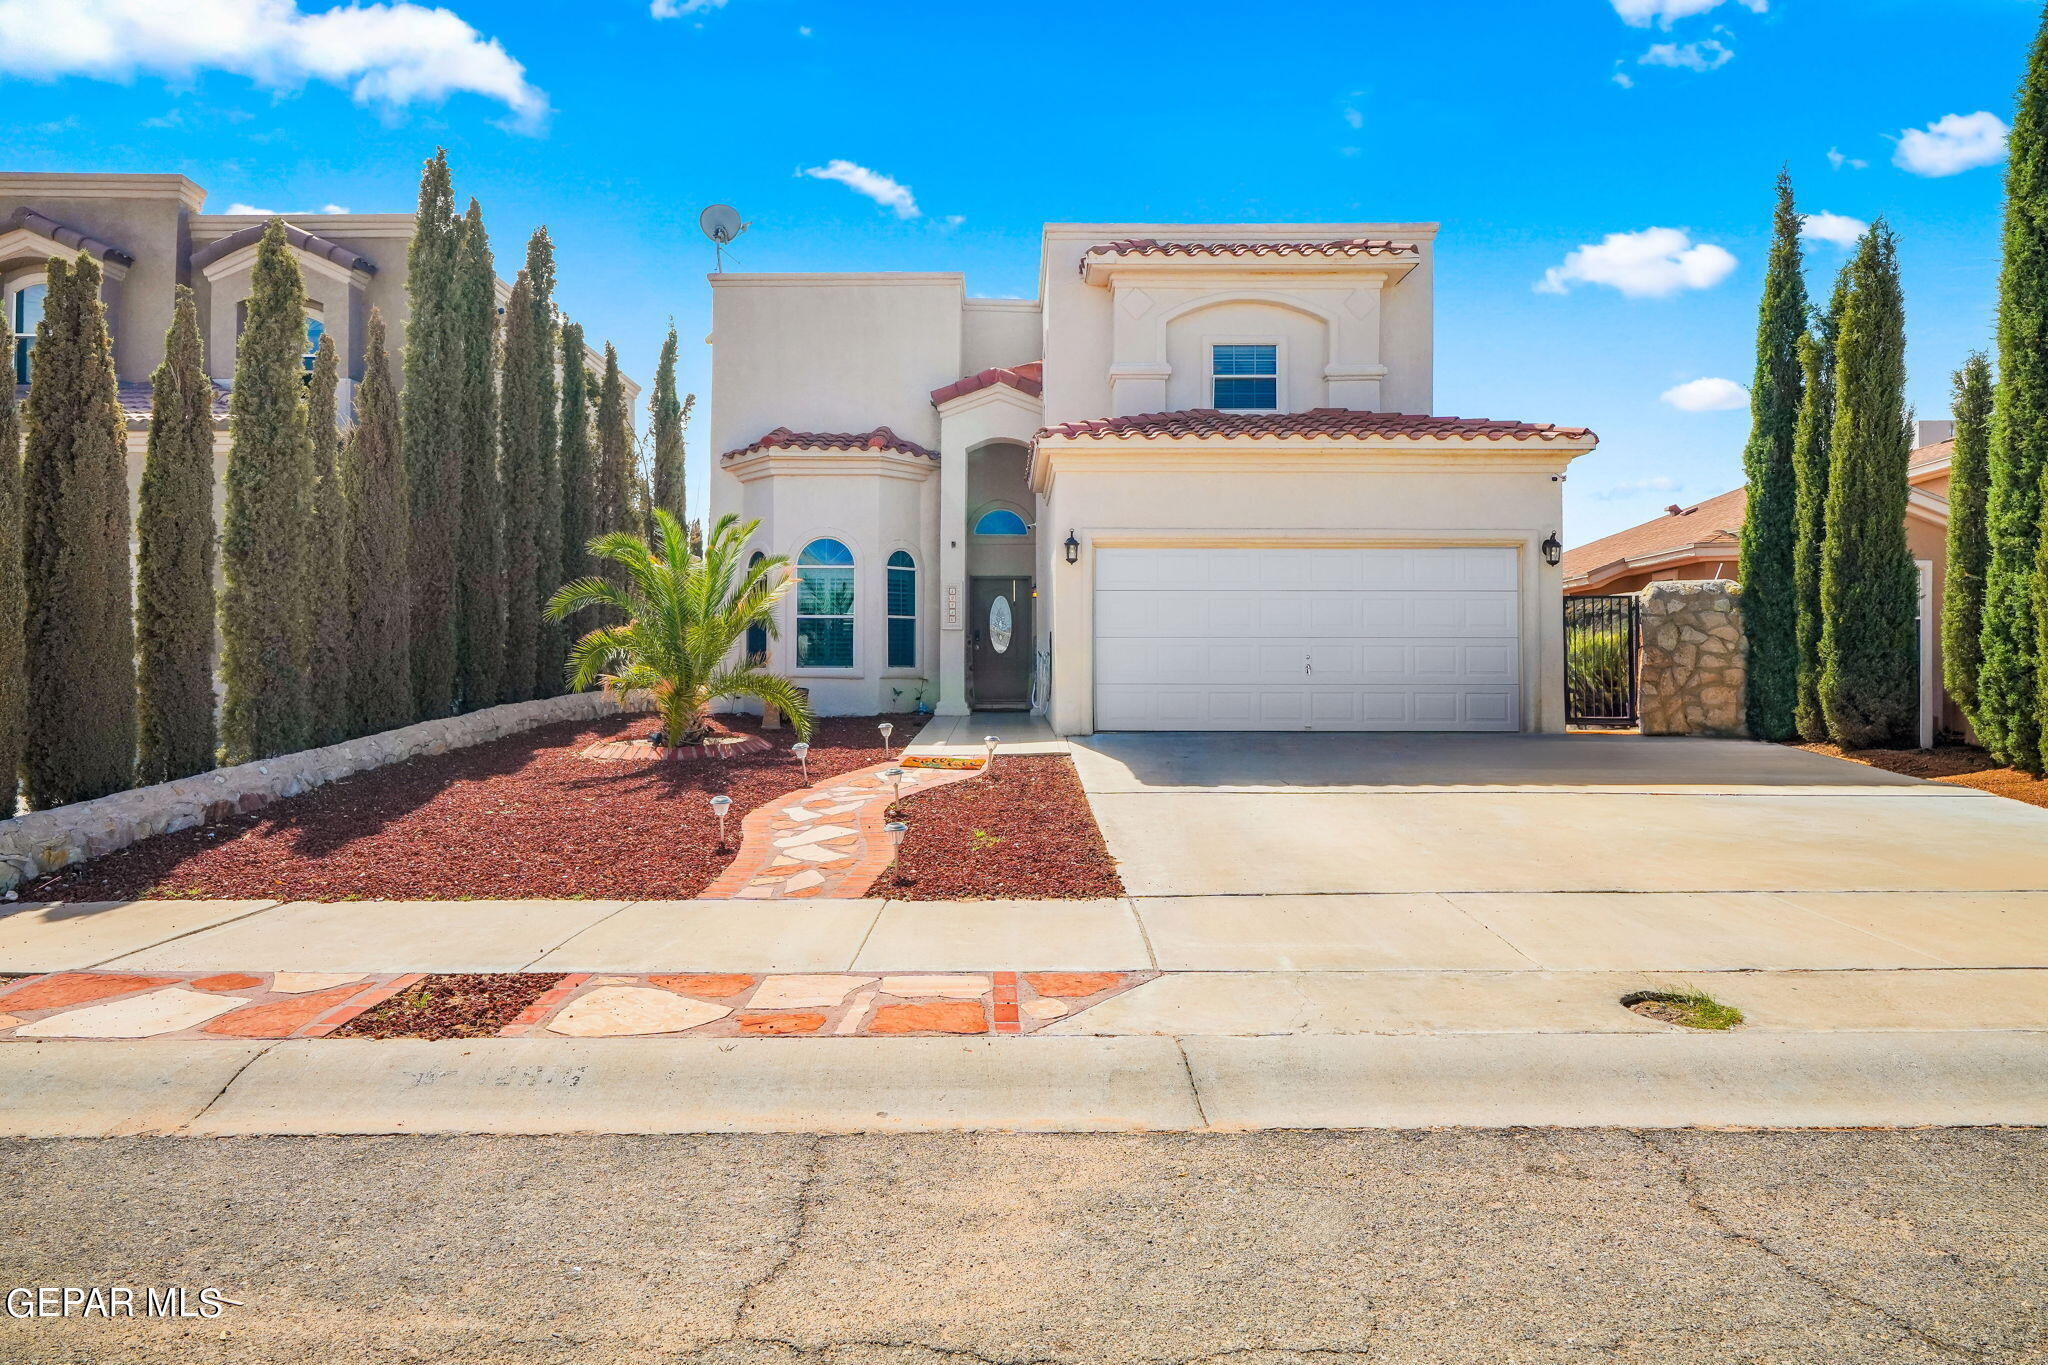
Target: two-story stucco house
x: 1196, y: 484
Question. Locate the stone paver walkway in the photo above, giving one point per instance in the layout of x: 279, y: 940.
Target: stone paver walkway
x: 271, y: 1005
x: 826, y: 841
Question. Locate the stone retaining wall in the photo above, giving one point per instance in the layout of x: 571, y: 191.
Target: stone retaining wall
x: 41, y: 842
x: 1695, y: 661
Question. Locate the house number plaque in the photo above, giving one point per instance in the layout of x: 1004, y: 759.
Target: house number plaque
x: 951, y: 618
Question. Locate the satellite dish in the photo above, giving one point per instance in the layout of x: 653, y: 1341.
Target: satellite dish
x: 721, y: 223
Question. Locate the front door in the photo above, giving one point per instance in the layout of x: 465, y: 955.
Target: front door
x: 999, y: 644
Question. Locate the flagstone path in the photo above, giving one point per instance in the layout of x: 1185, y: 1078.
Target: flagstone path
x: 267, y: 1005
x: 825, y: 841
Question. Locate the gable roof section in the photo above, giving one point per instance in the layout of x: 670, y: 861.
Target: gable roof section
x: 345, y: 257
x: 782, y: 438
x: 1342, y: 248
x: 1708, y: 526
x: 1318, y: 423
x: 1027, y: 379
x: 44, y: 225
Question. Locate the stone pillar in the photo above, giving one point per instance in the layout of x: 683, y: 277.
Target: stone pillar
x: 1694, y: 664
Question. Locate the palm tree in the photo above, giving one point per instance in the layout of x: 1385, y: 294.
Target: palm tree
x: 683, y: 614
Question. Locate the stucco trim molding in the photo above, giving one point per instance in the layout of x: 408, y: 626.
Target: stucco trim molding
x: 786, y: 463
x: 1051, y: 456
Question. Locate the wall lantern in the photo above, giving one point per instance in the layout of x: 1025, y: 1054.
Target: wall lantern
x: 1553, y: 549
x: 1073, y: 549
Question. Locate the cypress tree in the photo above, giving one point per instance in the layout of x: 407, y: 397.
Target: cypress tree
x: 432, y: 426
x: 13, y: 686
x: 174, y: 561
x: 264, y: 611
x: 480, y: 637
x: 669, y: 416
x: 615, y: 509
x: 379, y: 508
x: 1969, y: 539
x: 79, y: 629
x: 550, y: 637
x: 1869, y: 587
x: 1770, y: 599
x: 580, y: 495
x: 328, y: 661
x: 2008, y: 718
x: 521, y: 465
x: 1810, y: 466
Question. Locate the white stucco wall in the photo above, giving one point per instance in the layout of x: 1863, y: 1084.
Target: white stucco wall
x: 1000, y: 332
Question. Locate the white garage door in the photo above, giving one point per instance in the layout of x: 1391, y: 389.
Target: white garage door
x: 1307, y: 639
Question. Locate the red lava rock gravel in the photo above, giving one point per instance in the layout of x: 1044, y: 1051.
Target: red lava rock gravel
x: 1025, y: 831
x: 523, y: 816
x: 452, y: 1005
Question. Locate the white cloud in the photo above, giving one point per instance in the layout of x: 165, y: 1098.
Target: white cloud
x: 1710, y: 55
x: 676, y: 9
x: 1706, y: 395
x: 1624, y: 80
x: 1664, y: 13
x: 1838, y: 228
x: 281, y: 213
x: 1631, y: 487
x: 876, y: 186
x: 1652, y: 264
x: 1837, y: 160
x: 803, y: 30
x: 385, y: 54
x: 1354, y: 117
x: 1952, y: 143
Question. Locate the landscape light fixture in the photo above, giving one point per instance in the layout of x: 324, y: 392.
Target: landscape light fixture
x: 895, y: 778
x: 1073, y: 549
x: 988, y: 757
x: 887, y: 728
x: 1553, y: 550
x: 896, y: 829
x: 720, y: 804
x: 803, y: 756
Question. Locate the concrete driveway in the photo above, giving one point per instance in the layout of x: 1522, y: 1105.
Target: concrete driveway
x: 1246, y: 814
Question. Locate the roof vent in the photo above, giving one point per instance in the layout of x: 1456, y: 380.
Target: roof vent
x: 1674, y: 510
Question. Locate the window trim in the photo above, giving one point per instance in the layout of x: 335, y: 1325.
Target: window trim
x: 890, y: 616
x: 1279, y: 345
x: 747, y: 652
x: 8, y: 296
x: 988, y: 509
x: 852, y: 614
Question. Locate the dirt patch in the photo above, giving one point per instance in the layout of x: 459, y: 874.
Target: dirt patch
x: 1687, y: 1009
x: 452, y: 1005
x: 1025, y: 830
x: 521, y: 817
x: 1958, y: 765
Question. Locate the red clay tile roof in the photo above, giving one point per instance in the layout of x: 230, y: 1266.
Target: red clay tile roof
x: 137, y: 401
x: 881, y: 438
x: 345, y: 257
x: 1026, y: 379
x: 65, y: 235
x: 1198, y: 423
x: 1717, y: 522
x: 1347, y: 247
x: 1940, y: 450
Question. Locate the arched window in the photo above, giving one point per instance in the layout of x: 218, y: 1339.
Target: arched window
x: 757, y: 636
x: 902, y: 610
x: 824, y: 605
x: 1001, y: 521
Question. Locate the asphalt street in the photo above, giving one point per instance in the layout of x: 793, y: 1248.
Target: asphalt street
x: 1265, y: 1249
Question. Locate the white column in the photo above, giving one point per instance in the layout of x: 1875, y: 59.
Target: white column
x: 950, y: 601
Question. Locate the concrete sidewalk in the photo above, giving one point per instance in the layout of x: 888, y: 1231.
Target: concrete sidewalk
x: 1567, y: 931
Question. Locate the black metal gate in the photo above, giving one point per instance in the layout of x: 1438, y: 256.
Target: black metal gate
x: 1600, y: 642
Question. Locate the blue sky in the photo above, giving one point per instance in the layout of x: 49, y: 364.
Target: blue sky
x: 1530, y: 129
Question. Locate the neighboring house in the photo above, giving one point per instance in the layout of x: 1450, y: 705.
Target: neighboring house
x: 1194, y: 485
x: 1704, y: 541
x: 150, y: 237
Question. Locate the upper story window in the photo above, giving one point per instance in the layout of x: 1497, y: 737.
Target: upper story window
x: 315, y: 329
x: 824, y: 605
x: 25, y: 311
x: 1001, y: 521
x: 1245, y: 376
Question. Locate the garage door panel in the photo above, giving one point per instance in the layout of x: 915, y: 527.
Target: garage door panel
x: 1385, y: 638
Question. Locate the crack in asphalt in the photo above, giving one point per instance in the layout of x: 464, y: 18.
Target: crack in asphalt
x: 1689, y: 1185
x: 792, y: 1242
